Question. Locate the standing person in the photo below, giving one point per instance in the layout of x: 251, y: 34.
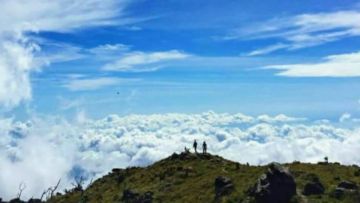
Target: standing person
x: 204, y: 147
x: 195, y: 146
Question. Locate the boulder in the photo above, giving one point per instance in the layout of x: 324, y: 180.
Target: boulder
x: 338, y: 193
x: 348, y: 185
x: 223, y: 186
x: 344, y: 187
x: 313, y: 186
x: 277, y: 185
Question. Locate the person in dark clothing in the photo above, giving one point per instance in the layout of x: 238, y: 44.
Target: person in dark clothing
x: 204, y: 147
x: 195, y: 146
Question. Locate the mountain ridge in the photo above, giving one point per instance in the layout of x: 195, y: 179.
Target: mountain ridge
x: 190, y: 177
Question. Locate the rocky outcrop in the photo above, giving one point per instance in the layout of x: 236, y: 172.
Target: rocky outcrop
x: 277, y: 185
x: 223, y: 186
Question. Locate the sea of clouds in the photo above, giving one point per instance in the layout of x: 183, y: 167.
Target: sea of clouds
x: 42, y: 150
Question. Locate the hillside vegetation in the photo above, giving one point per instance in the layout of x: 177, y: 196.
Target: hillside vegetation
x: 189, y: 177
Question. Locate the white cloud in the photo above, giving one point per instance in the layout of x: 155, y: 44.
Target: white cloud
x: 17, y: 60
x: 345, y: 117
x: 109, y: 51
x: 16, y: 63
x: 342, y: 65
x: 62, y: 15
x: 142, y: 61
x: 301, y: 31
x: 81, y: 84
x: 97, y: 146
x: 55, y: 52
x: 278, y: 118
x: 268, y: 49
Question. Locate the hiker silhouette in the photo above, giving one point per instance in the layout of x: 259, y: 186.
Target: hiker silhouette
x: 204, y: 147
x: 195, y: 146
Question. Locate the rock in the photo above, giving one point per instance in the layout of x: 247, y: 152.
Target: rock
x: 277, y: 185
x: 344, y: 187
x: 131, y: 196
x: 223, y: 186
x: 313, y: 186
x: 338, y: 193
x: 348, y: 185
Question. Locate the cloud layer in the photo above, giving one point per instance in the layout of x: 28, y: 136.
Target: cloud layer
x: 52, y: 148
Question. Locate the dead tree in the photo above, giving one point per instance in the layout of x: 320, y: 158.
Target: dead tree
x: 43, y: 194
x: 53, y: 189
x: 22, y: 187
x: 50, y: 191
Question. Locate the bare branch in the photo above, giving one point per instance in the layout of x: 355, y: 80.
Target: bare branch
x: 43, y: 194
x: 22, y: 187
x: 50, y: 191
x: 54, y: 188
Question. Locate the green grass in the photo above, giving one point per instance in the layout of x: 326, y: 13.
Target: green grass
x: 170, y: 182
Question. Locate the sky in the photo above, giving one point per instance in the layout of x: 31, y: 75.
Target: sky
x: 87, y: 86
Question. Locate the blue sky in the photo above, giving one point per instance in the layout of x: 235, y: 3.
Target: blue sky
x: 183, y: 56
x: 91, y: 85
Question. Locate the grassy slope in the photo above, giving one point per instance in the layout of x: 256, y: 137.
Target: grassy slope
x: 170, y: 183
